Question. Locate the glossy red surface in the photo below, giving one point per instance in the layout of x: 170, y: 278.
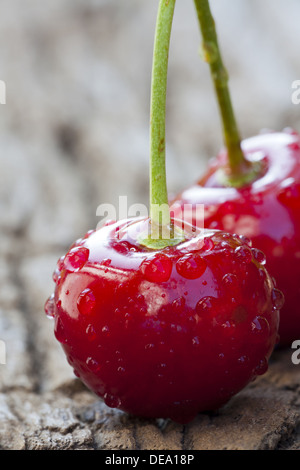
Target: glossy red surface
x: 268, y: 212
x: 164, y: 334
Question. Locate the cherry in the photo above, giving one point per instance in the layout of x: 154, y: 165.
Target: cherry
x: 165, y: 333
x: 253, y: 188
x: 267, y: 211
x: 157, y: 317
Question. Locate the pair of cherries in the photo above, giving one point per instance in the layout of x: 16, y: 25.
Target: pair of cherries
x: 171, y: 330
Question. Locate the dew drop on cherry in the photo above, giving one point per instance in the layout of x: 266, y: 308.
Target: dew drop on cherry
x: 92, y: 364
x: 178, y: 305
x: 60, y: 263
x: 56, y: 276
x: 231, y: 281
x: 244, y: 254
x: 262, y: 367
x: 259, y: 256
x: 86, y: 302
x: 206, y: 305
x: 157, y: 268
x: 91, y: 333
x: 245, y: 240
x: 76, y: 258
x: 111, y: 401
x: 260, y: 328
x: 50, y: 307
x: 277, y: 299
x: 191, y: 266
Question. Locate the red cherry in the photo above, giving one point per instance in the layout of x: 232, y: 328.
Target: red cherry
x: 167, y: 333
x: 266, y: 211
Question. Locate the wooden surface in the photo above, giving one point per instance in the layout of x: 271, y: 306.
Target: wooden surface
x: 74, y: 134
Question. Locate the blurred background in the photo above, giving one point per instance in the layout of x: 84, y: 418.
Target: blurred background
x: 74, y: 130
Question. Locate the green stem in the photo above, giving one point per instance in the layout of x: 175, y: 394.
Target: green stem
x: 159, y: 208
x: 241, y: 170
x: 162, y: 232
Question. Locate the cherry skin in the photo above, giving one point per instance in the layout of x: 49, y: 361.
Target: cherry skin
x: 167, y: 333
x: 267, y: 211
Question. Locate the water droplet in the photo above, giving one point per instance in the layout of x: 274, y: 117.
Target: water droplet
x: 76, y: 258
x: 157, y: 268
x: 86, y: 302
x: 260, y: 328
x: 231, y: 281
x: 196, y: 342
x: 105, y: 330
x: 111, y: 400
x: 178, y: 305
x: 60, y: 263
x: 277, y: 299
x: 206, y: 305
x: 56, y: 276
x: 140, y: 298
x: 122, y: 247
x: 244, y: 254
x: 243, y: 360
x: 50, y: 307
x: 259, y: 256
x: 106, y: 262
x: 262, y: 367
x: 91, y: 333
x: 191, y: 266
x: 149, y: 346
x: 245, y: 240
x: 92, y: 364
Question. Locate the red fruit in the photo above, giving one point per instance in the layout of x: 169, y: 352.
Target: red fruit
x: 267, y: 211
x: 168, y: 333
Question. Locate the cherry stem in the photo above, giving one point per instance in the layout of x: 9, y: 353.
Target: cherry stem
x: 240, y: 169
x: 159, y: 207
x: 163, y: 232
